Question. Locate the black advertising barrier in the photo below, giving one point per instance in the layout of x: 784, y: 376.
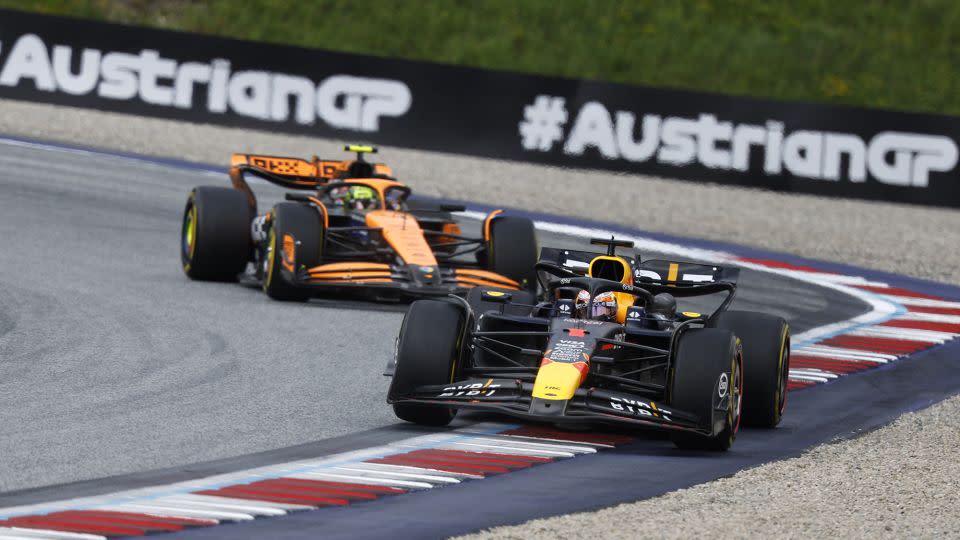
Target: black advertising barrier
x: 799, y: 147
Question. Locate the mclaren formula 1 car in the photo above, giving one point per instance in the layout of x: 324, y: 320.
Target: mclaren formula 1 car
x: 604, y: 344
x: 348, y: 227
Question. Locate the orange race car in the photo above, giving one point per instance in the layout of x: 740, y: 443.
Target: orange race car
x: 349, y: 227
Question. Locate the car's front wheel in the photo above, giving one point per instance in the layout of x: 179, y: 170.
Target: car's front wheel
x: 294, y: 241
x: 707, y: 381
x: 428, y: 353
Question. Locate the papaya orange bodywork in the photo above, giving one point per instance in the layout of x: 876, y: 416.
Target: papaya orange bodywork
x: 487, y: 221
x: 404, y: 235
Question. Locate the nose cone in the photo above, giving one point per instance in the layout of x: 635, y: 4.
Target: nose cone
x: 556, y: 383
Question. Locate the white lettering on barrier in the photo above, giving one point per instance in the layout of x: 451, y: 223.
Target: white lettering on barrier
x: 341, y: 101
x: 893, y: 158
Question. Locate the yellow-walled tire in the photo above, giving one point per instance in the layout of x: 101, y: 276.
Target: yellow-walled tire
x: 302, y: 224
x: 215, y: 240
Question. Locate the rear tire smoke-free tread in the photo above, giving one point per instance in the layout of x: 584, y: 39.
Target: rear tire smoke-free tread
x: 215, y: 240
x: 766, y: 364
x: 428, y: 351
x: 512, y: 250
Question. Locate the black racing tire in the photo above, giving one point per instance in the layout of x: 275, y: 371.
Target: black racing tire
x: 512, y: 250
x: 704, y: 354
x: 303, y: 224
x: 215, y: 242
x: 766, y: 364
x: 428, y: 353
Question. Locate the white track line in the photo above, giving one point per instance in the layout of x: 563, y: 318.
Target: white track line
x: 922, y: 302
x: 231, y: 504
x: 432, y: 478
x: 252, y: 507
x: 904, y: 334
x: 929, y: 317
x: 838, y: 353
x: 180, y: 510
x: 22, y: 532
x: 457, y: 476
x: 368, y: 480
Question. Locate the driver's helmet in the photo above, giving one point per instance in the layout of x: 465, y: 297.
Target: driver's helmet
x: 604, y: 306
x: 361, y: 197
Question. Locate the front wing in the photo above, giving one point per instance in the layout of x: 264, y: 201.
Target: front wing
x: 514, y: 397
x: 413, y: 281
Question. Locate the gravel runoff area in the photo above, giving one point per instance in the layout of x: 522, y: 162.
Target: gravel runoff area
x: 895, y: 482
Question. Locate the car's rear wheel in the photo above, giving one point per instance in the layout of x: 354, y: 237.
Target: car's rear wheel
x: 295, y: 229
x: 766, y: 364
x: 707, y: 381
x: 512, y: 250
x: 215, y: 240
x: 428, y: 352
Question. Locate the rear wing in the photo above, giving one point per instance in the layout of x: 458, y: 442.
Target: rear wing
x: 675, y: 273
x: 653, y: 271
x: 576, y: 261
x: 296, y: 173
x: 677, y: 277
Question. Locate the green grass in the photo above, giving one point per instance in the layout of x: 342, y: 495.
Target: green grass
x: 891, y: 54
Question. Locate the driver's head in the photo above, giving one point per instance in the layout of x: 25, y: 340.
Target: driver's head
x: 361, y: 197
x: 604, y: 306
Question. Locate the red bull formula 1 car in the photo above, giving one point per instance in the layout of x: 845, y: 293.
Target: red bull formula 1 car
x: 349, y: 227
x: 605, y: 344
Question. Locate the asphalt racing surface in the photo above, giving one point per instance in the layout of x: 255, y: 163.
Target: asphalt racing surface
x: 114, y: 364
